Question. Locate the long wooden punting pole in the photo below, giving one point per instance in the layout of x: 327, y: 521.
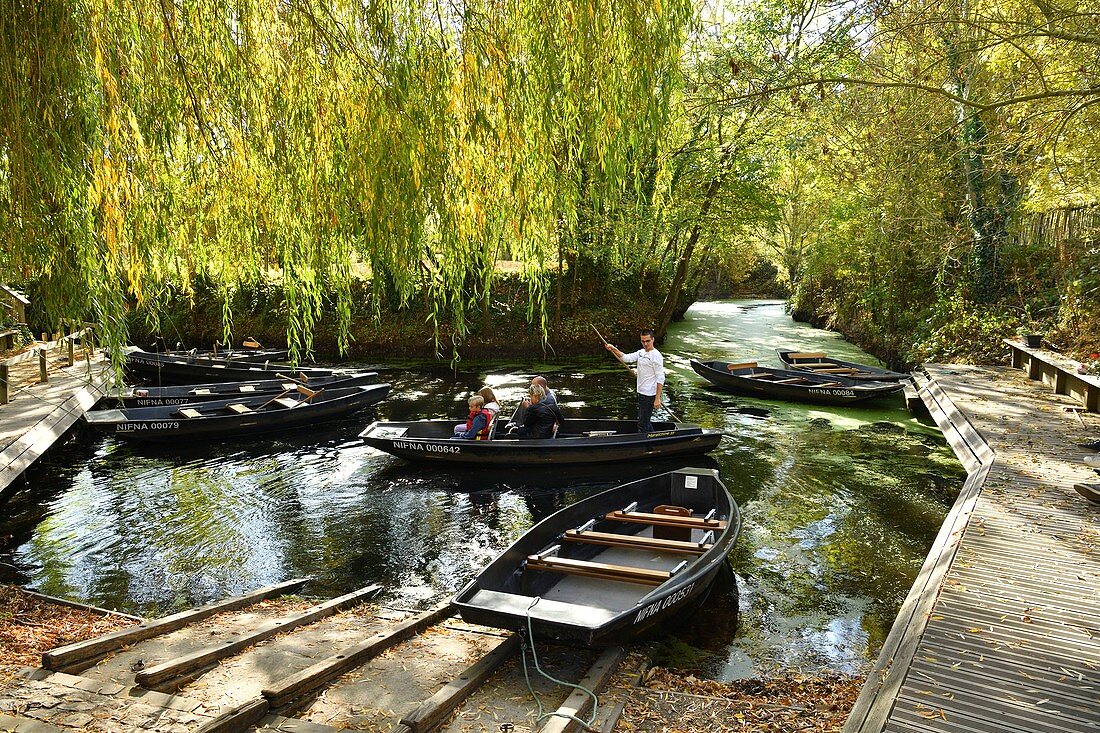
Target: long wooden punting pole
x: 627, y: 367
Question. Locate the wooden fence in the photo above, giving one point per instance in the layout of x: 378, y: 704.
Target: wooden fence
x: 86, y: 336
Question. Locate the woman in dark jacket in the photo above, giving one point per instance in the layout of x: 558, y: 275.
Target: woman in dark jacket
x: 541, y: 416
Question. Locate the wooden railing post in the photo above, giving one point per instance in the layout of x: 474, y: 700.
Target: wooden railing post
x: 71, y: 340
x: 42, y: 376
x: 3, y: 384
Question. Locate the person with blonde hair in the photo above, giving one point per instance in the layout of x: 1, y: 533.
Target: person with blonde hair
x: 477, y: 423
x: 541, y: 416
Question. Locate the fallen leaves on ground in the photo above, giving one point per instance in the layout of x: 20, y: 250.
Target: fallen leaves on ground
x: 31, y: 625
x: 685, y: 704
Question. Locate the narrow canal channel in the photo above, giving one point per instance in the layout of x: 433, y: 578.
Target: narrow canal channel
x: 840, y: 504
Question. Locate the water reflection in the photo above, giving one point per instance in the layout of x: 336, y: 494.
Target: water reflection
x: 839, y: 504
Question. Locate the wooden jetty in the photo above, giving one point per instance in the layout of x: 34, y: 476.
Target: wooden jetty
x: 1001, y: 631
x: 42, y: 393
x: 245, y: 664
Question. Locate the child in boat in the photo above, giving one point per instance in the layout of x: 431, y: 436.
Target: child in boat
x: 477, y: 423
x: 490, y: 398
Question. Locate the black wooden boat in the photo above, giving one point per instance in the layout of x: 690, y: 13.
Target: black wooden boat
x: 611, y: 566
x: 820, y: 363
x: 751, y: 380
x: 170, y: 369
x: 578, y: 441
x: 188, y: 393
x: 249, y: 350
x: 235, y: 355
x: 240, y: 417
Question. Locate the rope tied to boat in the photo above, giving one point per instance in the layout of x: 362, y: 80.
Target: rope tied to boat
x: 529, y: 640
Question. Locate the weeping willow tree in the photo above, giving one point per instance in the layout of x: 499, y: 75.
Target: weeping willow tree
x: 148, y: 144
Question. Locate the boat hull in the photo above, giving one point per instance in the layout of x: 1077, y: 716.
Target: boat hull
x: 854, y: 370
x: 217, y: 422
x: 504, y: 594
x: 168, y: 369
x: 745, y: 382
x: 186, y: 394
x: 429, y: 441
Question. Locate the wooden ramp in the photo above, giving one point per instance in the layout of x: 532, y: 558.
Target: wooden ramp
x: 40, y: 412
x: 1001, y: 631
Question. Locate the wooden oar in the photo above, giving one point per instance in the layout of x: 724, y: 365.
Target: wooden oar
x: 606, y: 344
x: 627, y: 367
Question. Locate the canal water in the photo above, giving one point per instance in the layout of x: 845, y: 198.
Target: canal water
x: 840, y: 505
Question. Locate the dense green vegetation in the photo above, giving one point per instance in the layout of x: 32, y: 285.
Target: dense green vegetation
x: 923, y: 175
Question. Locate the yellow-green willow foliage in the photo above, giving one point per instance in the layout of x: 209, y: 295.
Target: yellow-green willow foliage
x: 149, y: 142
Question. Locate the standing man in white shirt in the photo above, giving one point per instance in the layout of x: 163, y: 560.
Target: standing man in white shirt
x: 651, y: 378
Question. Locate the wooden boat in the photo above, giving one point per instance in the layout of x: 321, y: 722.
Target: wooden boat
x: 578, y: 441
x: 751, y: 380
x: 240, y: 417
x: 819, y: 363
x: 236, y: 355
x: 188, y: 393
x: 611, y: 566
x: 170, y: 369
x: 1090, y: 491
x: 249, y: 350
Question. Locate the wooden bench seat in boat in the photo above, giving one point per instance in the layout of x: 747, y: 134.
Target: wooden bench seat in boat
x: 791, y: 380
x: 286, y: 402
x: 189, y: 412
x: 806, y: 355
x: 666, y: 520
x: 826, y: 369
x: 239, y: 408
x: 742, y: 365
x: 611, y: 539
x: 604, y: 571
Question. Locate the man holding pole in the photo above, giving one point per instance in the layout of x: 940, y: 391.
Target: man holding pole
x: 651, y: 378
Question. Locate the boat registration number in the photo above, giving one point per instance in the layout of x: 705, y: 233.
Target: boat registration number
x: 129, y: 427
x: 664, y: 603
x: 426, y: 447
x: 833, y: 392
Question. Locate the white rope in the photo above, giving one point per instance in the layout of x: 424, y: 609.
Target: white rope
x: 586, y: 724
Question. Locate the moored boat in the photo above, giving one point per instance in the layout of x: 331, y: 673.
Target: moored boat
x: 610, y: 567
x: 751, y: 380
x: 578, y: 441
x: 187, y: 393
x: 170, y: 369
x: 240, y: 417
x: 819, y: 362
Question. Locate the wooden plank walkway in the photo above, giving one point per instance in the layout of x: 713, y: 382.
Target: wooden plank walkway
x: 40, y: 413
x: 1001, y: 631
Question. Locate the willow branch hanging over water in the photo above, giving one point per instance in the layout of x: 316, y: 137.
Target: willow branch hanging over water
x: 150, y: 143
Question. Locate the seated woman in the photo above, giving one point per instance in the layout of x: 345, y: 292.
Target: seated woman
x: 490, y: 398
x: 541, y: 416
x: 478, y: 422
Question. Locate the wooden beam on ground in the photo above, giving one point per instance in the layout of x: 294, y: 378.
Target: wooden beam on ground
x: 283, y: 691
x: 237, y: 719
x: 579, y: 701
x: 74, y: 657
x: 433, y: 711
x: 180, y: 666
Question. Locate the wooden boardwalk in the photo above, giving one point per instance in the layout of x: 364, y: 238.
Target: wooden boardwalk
x: 1001, y: 631
x: 40, y: 412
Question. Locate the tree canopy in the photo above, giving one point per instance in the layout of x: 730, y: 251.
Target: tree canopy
x: 894, y: 158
